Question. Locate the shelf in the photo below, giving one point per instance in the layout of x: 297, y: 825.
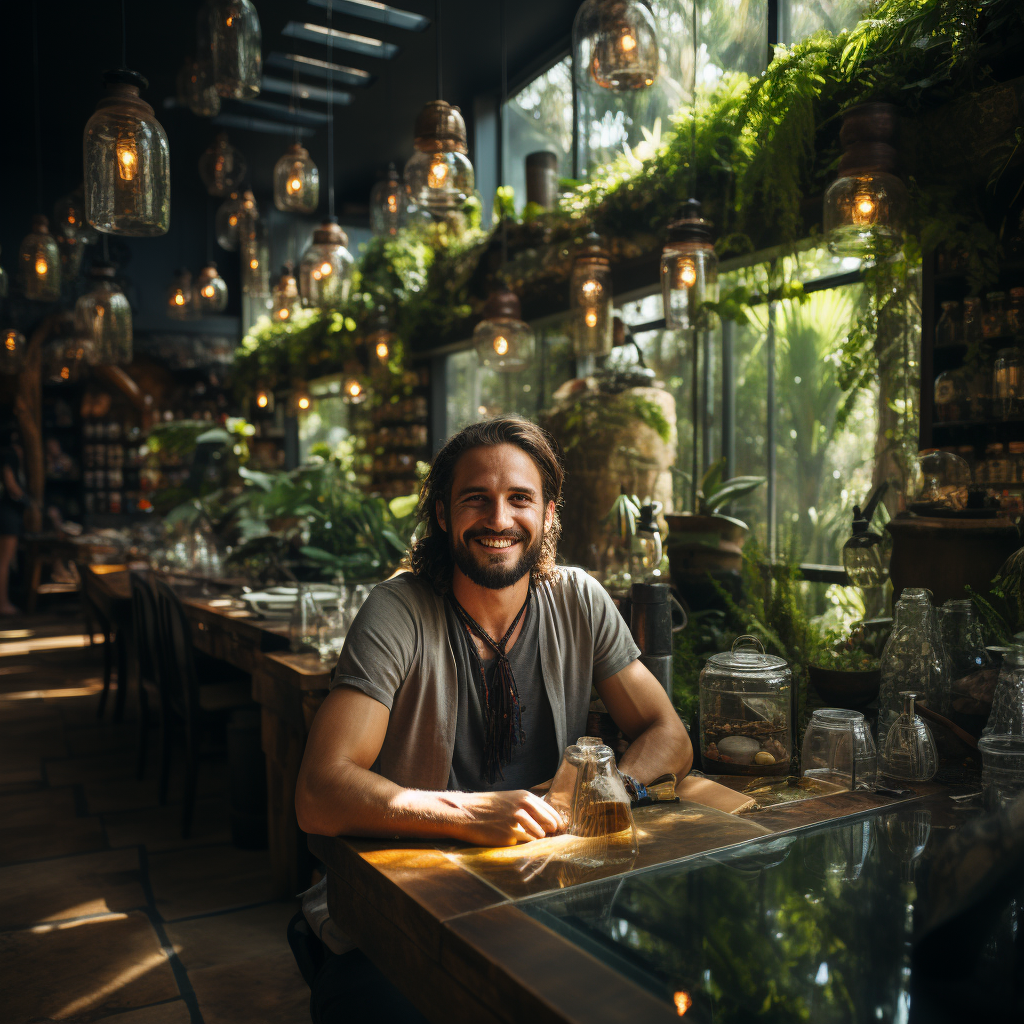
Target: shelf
x: 977, y: 433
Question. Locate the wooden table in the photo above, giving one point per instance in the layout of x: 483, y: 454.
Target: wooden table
x: 462, y: 950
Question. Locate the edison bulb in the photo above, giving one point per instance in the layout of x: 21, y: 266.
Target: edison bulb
x: 687, y: 273
x: 325, y: 271
x: 127, y: 158
x: 304, y: 402
x: 41, y: 267
x: 353, y: 392
x: 437, y: 174
x: 296, y: 182
x: 864, y: 215
x: 262, y: 399
x: 500, y: 345
x: 863, y: 209
x: 590, y: 318
x: 591, y: 290
x: 382, y: 351
x: 254, y: 264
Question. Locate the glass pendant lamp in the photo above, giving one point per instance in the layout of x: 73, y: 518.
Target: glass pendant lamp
x: 388, y: 204
x: 221, y: 167
x: 353, y: 392
x: 590, y: 299
x: 104, y: 316
x: 865, y: 207
x: 200, y: 89
x: 64, y: 354
x: 39, y: 260
x: 179, y: 295
x: 689, y: 270
x: 381, y: 339
x: 439, y: 175
x: 502, y: 341
x: 325, y: 272
x: 225, y: 222
x: 69, y: 218
x: 255, y: 252
x: 615, y: 45
x: 264, y: 399
x: 210, y: 292
x: 231, y: 30
x: 285, y: 294
x: 296, y: 182
x: 127, y: 162
x: 300, y: 400
x: 12, y: 351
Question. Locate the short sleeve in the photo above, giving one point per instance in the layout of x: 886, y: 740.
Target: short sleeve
x: 614, y: 648
x: 380, y: 646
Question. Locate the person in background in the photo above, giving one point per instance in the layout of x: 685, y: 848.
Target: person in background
x: 12, y: 511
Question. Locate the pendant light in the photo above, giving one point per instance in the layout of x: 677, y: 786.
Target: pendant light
x: 39, y: 261
x: 296, y: 181
x: 179, y: 304
x: 439, y: 176
x: 590, y: 299
x: 381, y: 339
x: 210, y: 291
x: 615, y: 45
x: 69, y: 218
x: 64, y: 354
x: 689, y: 265
x: 264, y: 399
x: 353, y: 392
x: 200, y: 89
x: 299, y: 398
x: 388, y: 204
x: 502, y: 340
x: 104, y: 316
x: 254, y: 249
x: 285, y: 294
x: 225, y: 222
x: 229, y: 30
x: 221, y: 167
x: 865, y: 207
x: 12, y: 351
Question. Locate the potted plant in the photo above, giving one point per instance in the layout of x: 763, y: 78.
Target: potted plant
x: 845, y: 671
x: 707, y: 543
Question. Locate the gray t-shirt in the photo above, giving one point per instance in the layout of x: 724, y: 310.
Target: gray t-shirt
x: 535, y: 760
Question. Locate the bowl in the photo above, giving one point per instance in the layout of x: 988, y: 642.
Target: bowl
x: 841, y: 689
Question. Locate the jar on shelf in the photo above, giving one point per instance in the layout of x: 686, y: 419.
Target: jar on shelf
x: 746, y: 711
x: 947, y: 330
x: 1008, y: 384
x: 996, y: 465
x: 1015, y: 462
x: 952, y: 398
x: 971, y: 328
x: 993, y: 321
x: 1015, y: 313
x: 966, y: 452
x: 979, y: 394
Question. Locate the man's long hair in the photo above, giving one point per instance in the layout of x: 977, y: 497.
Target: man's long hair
x: 431, y: 554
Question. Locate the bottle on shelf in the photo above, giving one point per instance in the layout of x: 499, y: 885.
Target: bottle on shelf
x: 1007, y: 382
x: 993, y: 321
x: 971, y: 329
x: 951, y: 397
x: 995, y: 468
x: 1015, y: 313
x: 1015, y: 462
x: 947, y: 330
x: 979, y: 394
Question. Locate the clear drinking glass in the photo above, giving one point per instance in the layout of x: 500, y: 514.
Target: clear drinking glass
x: 1002, y: 774
x: 332, y: 634
x: 1007, y: 714
x: 964, y: 644
x: 838, y: 748
x: 306, y: 622
x: 909, y: 752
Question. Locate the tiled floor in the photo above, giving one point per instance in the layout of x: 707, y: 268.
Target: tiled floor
x: 105, y: 912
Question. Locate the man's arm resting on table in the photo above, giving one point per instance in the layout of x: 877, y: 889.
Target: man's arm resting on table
x: 640, y: 707
x: 337, y: 794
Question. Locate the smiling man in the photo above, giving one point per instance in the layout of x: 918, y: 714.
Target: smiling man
x: 462, y: 681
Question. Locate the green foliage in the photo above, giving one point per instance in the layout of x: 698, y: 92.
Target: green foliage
x: 715, y: 493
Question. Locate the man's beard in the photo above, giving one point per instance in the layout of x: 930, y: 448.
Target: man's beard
x: 496, y: 577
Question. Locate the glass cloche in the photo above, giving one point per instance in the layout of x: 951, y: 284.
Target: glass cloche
x: 746, y: 722
x: 940, y: 484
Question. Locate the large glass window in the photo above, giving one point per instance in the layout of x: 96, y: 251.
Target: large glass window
x: 801, y: 18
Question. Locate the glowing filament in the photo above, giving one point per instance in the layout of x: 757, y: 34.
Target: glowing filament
x: 262, y: 400
x: 127, y: 158
x: 354, y: 389
x: 325, y: 269
x: 294, y: 185
x: 687, y: 273
x: 282, y: 314
x: 179, y: 299
x: 683, y: 1002
x: 627, y: 41
x: 590, y: 318
x: 500, y: 345
x: 864, y: 208
x: 392, y: 203
x: 303, y: 402
x: 41, y: 268
x: 65, y: 373
x: 382, y: 350
x: 253, y: 264
x: 209, y: 291
x: 591, y: 290
x: 10, y: 341
x: 233, y: 220
x: 437, y: 175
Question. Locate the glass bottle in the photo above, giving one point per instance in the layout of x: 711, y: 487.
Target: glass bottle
x: 972, y: 321
x: 306, y: 621
x: 221, y: 167
x: 689, y: 270
x: 104, y: 315
x: 947, y: 331
x: 1015, y: 313
x: 647, y: 547
x: 1007, y: 714
x: 230, y: 29
x: 325, y: 271
x: 913, y: 656
x: 39, y: 260
x: 1008, y: 384
x: 994, y: 472
x: 296, y: 181
x: 388, y: 202
x: 615, y: 45
x: 909, y: 752
x: 993, y: 321
x: 590, y: 299
x: 201, y: 94
x: 127, y: 162
x: 210, y: 292
x: 952, y: 397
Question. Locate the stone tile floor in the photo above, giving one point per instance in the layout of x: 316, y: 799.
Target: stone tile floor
x: 105, y: 912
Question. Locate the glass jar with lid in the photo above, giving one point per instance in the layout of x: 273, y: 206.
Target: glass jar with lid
x: 1008, y: 384
x: 993, y: 321
x: 1015, y: 313
x: 746, y: 715
x: 947, y: 330
x: 971, y: 329
x: 952, y: 398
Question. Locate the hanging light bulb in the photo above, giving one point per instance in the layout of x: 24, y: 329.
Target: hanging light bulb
x: 689, y: 270
x: 127, y: 162
x: 300, y: 400
x: 615, y: 45
x: 225, y: 222
x: 503, y: 342
x: 865, y: 207
x: 210, y: 292
x: 264, y: 399
x: 39, y: 259
x: 200, y: 89
x: 381, y: 339
x: 221, y: 167
x: 325, y: 272
x: 104, y: 316
x: 590, y: 299
x: 12, y: 351
x: 296, y: 182
x: 285, y: 294
x: 69, y: 218
x: 439, y: 175
x: 254, y: 249
x: 64, y: 354
x: 388, y: 203
x: 179, y: 295
x: 230, y: 31
x: 353, y: 392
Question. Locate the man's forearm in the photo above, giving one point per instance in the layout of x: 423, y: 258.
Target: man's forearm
x: 658, y: 750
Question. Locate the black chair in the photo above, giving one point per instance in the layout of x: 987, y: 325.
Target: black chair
x: 197, y: 704
x: 97, y: 621
x: 149, y: 667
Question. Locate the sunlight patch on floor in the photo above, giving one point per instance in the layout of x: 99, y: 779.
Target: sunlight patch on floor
x: 47, y: 643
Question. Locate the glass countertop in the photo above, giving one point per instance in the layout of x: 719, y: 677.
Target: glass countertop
x: 852, y: 921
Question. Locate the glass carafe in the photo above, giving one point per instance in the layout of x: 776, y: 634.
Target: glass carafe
x: 913, y: 657
x: 947, y: 330
x: 971, y: 330
x: 306, y: 622
x: 1007, y: 714
x: 909, y: 752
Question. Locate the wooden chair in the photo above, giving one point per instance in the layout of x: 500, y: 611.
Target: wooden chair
x: 195, y: 703
x: 97, y: 621
x: 151, y: 674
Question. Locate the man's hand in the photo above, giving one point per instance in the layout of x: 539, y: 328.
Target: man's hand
x: 503, y: 819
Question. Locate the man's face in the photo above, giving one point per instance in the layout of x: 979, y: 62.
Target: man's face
x: 498, y: 517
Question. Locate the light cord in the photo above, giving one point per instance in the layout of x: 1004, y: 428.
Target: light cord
x: 693, y: 100
x: 330, y: 112
x: 437, y: 43
x: 35, y: 104
x: 501, y: 130
x: 124, y: 36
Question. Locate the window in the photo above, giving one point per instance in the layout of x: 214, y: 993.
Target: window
x: 326, y: 422
x: 801, y: 18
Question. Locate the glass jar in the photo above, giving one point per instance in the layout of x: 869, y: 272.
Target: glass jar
x: 39, y: 259
x: 993, y: 466
x: 947, y: 330
x: 104, y: 315
x: 839, y: 748
x: 325, y: 271
x: 993, y: 321
x: 1008, y: 384
x: 913, y: 656
x: 971, y: 329
x: 1015, y: 462
x: 230, y: 31
x: 746, y: 711
x: 964, y: 644
x: 296, y: 181
x: 940, y: 484
x: 952, y: 397
x: 590, y: 299
x: 1007, y: 714
x: 221, y: 167
x: 1015, y: 313
x: 979, y: 394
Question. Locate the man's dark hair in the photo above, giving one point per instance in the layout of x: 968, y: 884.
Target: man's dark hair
x: 431, y: 554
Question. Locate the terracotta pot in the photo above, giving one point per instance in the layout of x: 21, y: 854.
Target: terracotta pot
x: 841, y: 689
x: 699, y: 544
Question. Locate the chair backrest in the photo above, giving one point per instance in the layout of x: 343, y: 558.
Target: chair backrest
x: 178, y: 663
x: 145, y: 631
